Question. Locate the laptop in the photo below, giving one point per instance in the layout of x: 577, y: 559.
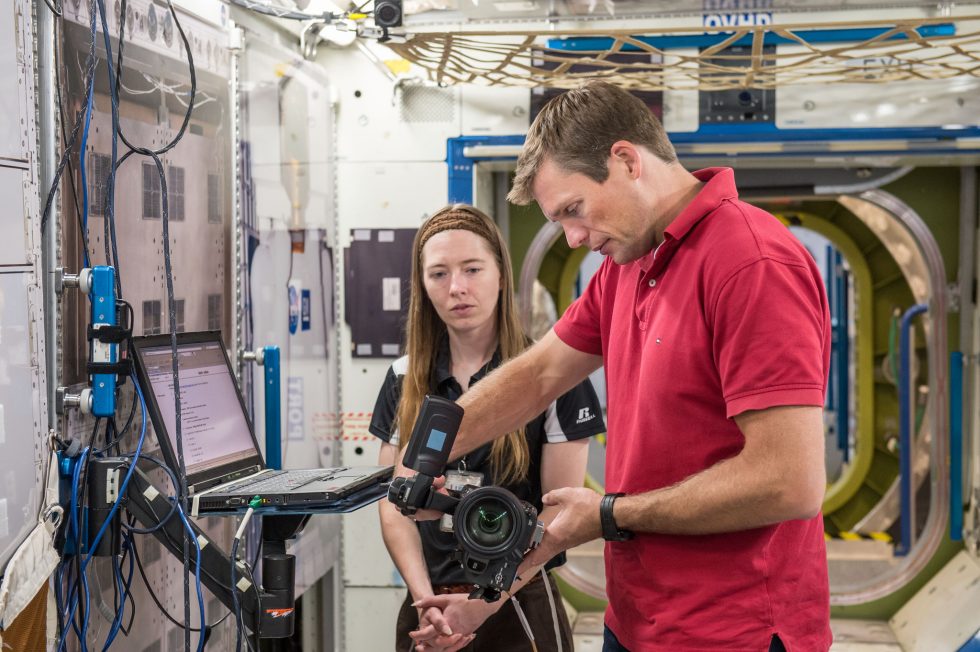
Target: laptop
x: 225, y: 468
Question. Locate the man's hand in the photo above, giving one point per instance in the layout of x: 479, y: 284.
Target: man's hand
x: 577, y: 521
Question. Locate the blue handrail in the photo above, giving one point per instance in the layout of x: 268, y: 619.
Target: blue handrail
x: 842, y: 340
x: 905, y: 434
x: 273, y: 409
x: 956, y: 446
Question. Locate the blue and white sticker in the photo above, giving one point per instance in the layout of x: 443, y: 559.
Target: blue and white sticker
x: 295, y: 413
x: 294, y: 306
x: 305, y: 310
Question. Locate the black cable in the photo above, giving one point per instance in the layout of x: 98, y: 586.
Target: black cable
x: 193, y: 92
x: 234, y: 595
x: 171, y: 302
x: 204, y: 570
x: 323, y: 300
x: 173, y: 503
x: 90, y: 63
x: 64, y: 134
x: 237, y: 607
x: 130, y: 543
x: 55, y: 9
x: 163, y: 610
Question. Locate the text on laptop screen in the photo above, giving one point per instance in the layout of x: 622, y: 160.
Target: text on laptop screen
x: 213, y: 425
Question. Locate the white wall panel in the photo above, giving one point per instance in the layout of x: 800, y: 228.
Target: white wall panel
x: 379, y: 195
x: 928, y: 103
x: 377, y: 123
x: 371, y: 616
x: 494, y: 111
x: 19, y: 405
x: 12, y: 99
x: 372, y: 195
x: 13, y: 226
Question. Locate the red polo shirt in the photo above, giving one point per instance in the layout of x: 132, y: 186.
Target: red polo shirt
x: 729, y: 314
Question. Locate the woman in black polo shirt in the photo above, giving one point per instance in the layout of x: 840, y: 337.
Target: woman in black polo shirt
x: 462, y: 323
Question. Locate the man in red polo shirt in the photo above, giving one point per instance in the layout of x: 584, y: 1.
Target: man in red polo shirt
x: 712, y: 323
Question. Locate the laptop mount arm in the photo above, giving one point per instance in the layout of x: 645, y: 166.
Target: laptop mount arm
x: 269, y: 609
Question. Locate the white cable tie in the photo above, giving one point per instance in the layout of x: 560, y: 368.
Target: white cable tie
x: 243, y: 585
x: 151, y: 493
x: 202, y: 541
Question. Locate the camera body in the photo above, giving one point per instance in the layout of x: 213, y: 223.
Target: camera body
x: 493, y: 527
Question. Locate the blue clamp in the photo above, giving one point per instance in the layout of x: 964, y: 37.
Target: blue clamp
x: 103, y: 351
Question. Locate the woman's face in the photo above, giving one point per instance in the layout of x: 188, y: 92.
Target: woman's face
x: 461, y: 278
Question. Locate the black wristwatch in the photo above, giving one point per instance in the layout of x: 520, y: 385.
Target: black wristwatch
x: 609, y: 530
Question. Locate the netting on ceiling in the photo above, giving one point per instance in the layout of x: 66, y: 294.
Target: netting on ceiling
x: 760, y: 56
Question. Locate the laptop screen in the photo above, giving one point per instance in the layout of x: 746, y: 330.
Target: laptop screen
x: 217, y: 436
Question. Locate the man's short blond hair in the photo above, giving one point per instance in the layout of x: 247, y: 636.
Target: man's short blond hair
x: 577, y: 129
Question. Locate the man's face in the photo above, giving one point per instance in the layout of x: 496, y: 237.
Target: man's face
x: 609, y: 217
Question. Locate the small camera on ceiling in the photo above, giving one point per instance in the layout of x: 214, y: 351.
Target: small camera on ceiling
x: 388, y: 13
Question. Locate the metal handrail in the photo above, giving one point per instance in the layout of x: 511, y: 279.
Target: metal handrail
x: 956, y: 446
x: 905, y: 408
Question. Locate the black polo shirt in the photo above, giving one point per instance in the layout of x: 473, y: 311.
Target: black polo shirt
x: 574, y: 415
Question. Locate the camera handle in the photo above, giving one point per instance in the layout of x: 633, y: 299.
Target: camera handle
x: 412, y: 494
x: 427, y: 453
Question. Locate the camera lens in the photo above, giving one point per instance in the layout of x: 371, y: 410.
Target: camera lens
x: 489, y: 523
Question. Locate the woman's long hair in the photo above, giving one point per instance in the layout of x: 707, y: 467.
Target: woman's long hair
x: 509, y: 456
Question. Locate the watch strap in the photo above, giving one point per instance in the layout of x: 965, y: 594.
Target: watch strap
x: 610, y: 532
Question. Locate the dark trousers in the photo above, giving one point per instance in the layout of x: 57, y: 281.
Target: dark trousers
x: 611, y: 644
x: 503, y: 632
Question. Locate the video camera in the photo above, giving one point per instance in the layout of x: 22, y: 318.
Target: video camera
x: 493, y: 527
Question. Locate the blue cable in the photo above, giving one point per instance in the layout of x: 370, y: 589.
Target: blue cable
x: 112, y: 513
x: 117, y: 621
x: 81, y: 150
x: 125, y: 482
x: 71, y: 599
x: 122, y: 492
x: 173, y: 506
x: 124, y: 587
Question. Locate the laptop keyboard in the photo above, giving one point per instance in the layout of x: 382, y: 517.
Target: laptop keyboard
x: 281, y: 481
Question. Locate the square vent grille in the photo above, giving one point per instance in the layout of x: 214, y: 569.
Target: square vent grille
x: 427, y: 104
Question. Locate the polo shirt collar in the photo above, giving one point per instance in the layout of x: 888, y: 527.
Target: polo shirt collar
x: 442, y: 372
x: 719, y: 185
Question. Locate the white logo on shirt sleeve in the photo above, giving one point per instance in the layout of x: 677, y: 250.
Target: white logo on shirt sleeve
x: 584, y: 414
